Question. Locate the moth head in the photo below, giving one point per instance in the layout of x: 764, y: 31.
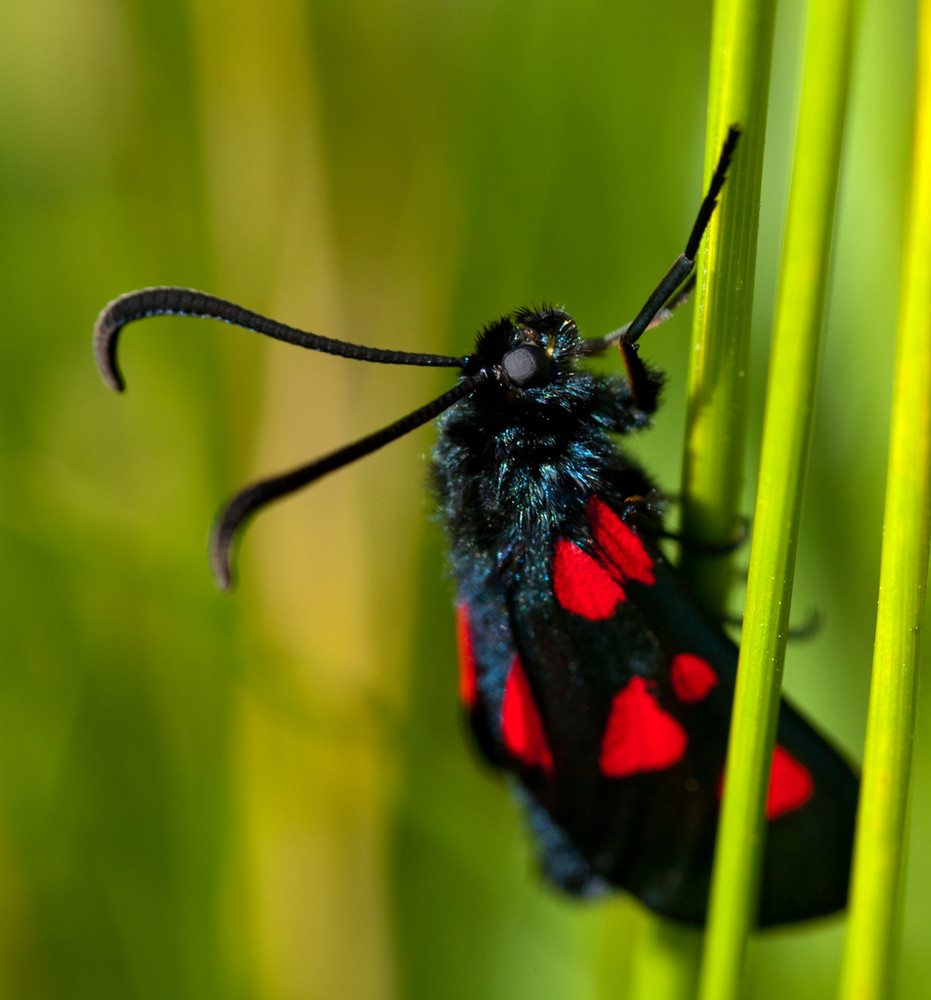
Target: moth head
x: 528, y: 350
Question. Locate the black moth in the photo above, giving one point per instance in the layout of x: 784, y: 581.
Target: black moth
x: 587, y: 671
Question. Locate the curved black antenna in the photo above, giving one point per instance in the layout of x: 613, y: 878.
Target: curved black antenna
x: 172, y: 301
x: 668, y: 290
x: 249, y: 501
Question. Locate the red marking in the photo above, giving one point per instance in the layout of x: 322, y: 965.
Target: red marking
x: 619, y: 543
x: 467, y: 679
x: 593, y: 586
x: 790, y: 784
x: 692, y: 677
x: 520, y: 721
x: 582, y: 586
x: 639, y: 735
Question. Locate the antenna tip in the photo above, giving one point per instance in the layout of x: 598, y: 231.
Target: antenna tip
x: 106, y: 334
x: 219, y: 552
x: 221, y: 569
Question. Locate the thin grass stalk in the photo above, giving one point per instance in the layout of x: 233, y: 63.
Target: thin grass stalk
x: 879, y: 857
x: 741, y: 48
x: 712, y: 472
x: 786, y: 437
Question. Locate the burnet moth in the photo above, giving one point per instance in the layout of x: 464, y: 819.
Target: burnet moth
x: 586, y: 669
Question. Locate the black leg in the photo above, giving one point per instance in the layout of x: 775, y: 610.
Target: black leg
x: 684, y: 263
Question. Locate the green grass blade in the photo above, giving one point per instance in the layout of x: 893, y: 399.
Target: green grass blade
x: 879, y: 860
x: 741, y: 49
x: 712, y: 471
x: 786, y: 437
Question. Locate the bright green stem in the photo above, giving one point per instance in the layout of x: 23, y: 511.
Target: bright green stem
x: 716, y: 419
x: 879, y: 857
x: 741, y: 49
x: 786, y: 436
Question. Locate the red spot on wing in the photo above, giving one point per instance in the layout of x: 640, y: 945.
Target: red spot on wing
x: 521, y: 726
x: 639, y: 735
x: 467, y: 678
x: 790, y: 784
x: 582, y: 586
x: 619, y: 544
x: 593, y: 585
x: 692, y: 677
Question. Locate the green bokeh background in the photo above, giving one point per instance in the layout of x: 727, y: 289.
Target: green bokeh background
x: 267, y: 795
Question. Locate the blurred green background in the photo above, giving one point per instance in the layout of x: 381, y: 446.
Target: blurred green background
x: 268, y: 795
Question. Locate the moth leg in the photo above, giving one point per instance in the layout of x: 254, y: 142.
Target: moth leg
x: 643, y: 387
x: 809, y: 628
x: 683, y: 264
x: 723, y: 548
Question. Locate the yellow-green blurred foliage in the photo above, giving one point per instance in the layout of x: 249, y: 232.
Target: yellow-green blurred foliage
x: 268, y: 795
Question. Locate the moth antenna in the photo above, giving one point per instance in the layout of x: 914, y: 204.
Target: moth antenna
x: 172, y: 301
x: 253, y: 498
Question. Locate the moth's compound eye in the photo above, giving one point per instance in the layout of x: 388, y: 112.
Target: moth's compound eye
x: 527, y: 366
